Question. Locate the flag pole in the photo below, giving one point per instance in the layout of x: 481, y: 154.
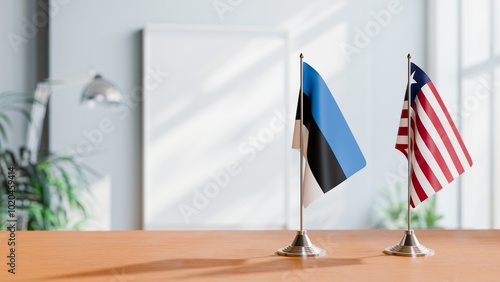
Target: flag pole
x: 301, y: 173
x: 408, y: 89
x: 409, y: 246
x: 301, y: 245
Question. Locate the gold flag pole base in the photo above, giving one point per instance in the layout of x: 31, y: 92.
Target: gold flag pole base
x: 409, y: 247
x: 301, y: 247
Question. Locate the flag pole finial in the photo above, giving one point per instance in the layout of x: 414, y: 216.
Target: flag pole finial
x: 408, y: 56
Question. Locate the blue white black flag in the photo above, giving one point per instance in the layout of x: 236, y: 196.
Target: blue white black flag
x: 331, y: 152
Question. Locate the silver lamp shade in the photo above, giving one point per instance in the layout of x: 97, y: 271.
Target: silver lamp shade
x: 101, y: 90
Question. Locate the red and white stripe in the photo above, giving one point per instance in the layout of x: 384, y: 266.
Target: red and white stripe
x: 438, y: 153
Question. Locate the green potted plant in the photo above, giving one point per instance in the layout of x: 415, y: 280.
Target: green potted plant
x: 50, y: 193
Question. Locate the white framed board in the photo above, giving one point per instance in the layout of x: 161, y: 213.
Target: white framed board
x: 216, y: 128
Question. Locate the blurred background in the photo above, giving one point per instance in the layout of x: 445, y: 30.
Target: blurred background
x: 202, y: 136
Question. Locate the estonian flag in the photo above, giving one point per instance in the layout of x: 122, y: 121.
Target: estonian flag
x: 332, y: 154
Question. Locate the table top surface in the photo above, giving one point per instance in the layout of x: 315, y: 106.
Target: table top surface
x: 352, y: 255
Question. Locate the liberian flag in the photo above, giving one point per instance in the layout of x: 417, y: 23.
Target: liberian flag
x: 331, y: 153
x: 438, y: 154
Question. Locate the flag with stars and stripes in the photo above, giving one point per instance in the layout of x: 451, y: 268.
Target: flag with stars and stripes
x: 438, y: 153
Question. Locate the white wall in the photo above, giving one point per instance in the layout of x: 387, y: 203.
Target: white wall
x: 368, y: 86
x: 17, y: 57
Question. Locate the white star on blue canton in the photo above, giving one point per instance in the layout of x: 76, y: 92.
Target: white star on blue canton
x: 413, y: 81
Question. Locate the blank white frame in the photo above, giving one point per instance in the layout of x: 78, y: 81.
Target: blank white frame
x: 180, y: 34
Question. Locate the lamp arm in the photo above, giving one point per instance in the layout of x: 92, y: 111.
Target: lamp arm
x: 38, y: 110
x: 57, y: 83
x: 99, y: 87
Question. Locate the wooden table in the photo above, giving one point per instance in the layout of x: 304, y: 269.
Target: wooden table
x: 354, y: 255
